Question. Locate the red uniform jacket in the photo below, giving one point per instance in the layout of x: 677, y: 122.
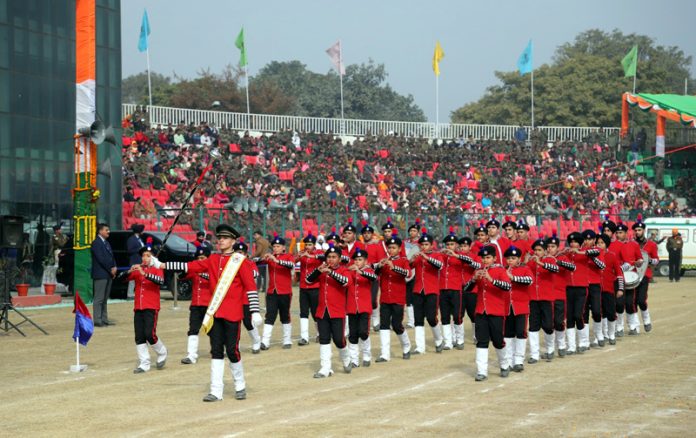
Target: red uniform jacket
x: 360, y: 291
x: 231, y: 308
x: 347, y: 254
x: 561, y: 281
x: 200, y: 288
x: 427, y: 276
x: 521, y: 280
x: 579, y: 276
x: 280, y: 275
x: 307, y: 265
x: 612, y: 272
x: 472, y: 262
x: 147, y: 288
x: 494, y: 296
x: 653, y: 259
x: 525, y: 246
x: 544, y: 277
x: 595, y: 266
x: 333, y: 290
x: 451, y: 273
x: 501, y: 245
x: 254, y: 270
x: 378, y: 251
x: 392, y: 282
x: 628, y: 252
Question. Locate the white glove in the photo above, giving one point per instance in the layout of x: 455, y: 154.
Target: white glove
x: 256, y: 319
x: 156, y: 263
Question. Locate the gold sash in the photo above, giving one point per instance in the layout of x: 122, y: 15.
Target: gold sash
x: 226, y: 279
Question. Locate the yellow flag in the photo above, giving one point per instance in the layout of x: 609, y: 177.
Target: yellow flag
x: 437, y: 56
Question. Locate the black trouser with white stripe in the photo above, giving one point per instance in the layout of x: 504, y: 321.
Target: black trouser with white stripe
x: 309, y: 301
x: 358, y: 327
x: 468, y: 306
x: 593, y: 303
x: 145, y: 325
x: 196, y: 315
x: 541, y: 316
x: 575, y: 304
x: 275, y: 304
x: 516, y: 326
x: 451, y: 306
x: 489, y: 328
x: 391, y: 314
x: 425, y: 306
x: 331, y: 328
x: 224, y: 338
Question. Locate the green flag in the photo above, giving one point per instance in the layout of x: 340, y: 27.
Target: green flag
x: 630, y: 62
x: 240, y: 45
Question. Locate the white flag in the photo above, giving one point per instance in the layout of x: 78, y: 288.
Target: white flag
x: 336, y: 56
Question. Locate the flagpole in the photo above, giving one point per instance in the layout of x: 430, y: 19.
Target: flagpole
x: 246, y: 73
x: 77, y: 351
x: 532, y: 87
x: 149, y: 82
x: 437, y: 106
x: 634, y: 83
x: 340, y: 76
x: 686, y: 86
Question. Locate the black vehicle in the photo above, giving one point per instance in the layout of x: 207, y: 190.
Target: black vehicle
x: 175, y: 250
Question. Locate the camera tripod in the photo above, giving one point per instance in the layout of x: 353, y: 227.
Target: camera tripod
x: 6, y: 305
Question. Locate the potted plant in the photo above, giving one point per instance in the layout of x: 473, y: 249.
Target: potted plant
x: 48, y: 283
x: 7, y: 268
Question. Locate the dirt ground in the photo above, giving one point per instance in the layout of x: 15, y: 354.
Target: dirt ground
x: 643, y: 386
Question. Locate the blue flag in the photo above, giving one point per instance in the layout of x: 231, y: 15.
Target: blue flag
x: 84, y: 326
x: 144, y: 33
x: 524, y: 63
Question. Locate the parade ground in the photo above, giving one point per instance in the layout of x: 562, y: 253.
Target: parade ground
x: 643, y: 386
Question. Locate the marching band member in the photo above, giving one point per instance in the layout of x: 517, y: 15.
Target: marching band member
x: 230, y: 279
x: 372, y: 245
x: 242, y: 248
x: 392, y: 271
x: 349, y: 243
x: 593, y: 301
x: 200, y: 297
x: 576, y: 290
x: 379, y: 252
x: 608, y: 229
x: 510, y: 229
x: 650, y: 248
x: 630, y: 257
x: 523, y: 242
x: 468, y: 294
x: 146, y: 305
x: 495, y: 240
x: 359, y: 308
x: 310, y: 258
x: 481, y: 236
x: 450, y: 284
x: 612, y: 286
x: 494, y: 287
x: 411, y: 247
x: 427, y: 265
x: 544, y: 270
x: 516, y: 322
x: 279, y: 292
x: 559, y: 302
x: 333, y: 279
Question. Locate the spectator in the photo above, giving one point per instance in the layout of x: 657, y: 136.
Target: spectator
x: 261, y: 247
x: 675, y: 244
x: 103, y: 273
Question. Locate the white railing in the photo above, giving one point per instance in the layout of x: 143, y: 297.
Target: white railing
x: 353, y: 127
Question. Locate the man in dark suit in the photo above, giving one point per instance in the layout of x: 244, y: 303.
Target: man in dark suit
x: 133, y: 245
x: 103, y: 272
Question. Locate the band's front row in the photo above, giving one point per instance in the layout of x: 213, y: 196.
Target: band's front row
x: 505, y: 286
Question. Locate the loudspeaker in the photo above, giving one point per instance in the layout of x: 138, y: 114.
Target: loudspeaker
x: 11, y: 231
x: 98, y: 133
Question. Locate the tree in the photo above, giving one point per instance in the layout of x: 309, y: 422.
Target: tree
x: 366, y: 93
x: 134, y: 89
x: 583, y: 84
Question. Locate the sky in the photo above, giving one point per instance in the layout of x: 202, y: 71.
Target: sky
x: 478, y: 38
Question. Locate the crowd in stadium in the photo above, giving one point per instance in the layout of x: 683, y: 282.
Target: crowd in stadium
x: 385, y: 173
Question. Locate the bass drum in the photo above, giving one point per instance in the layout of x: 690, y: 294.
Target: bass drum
x: 633, y: 277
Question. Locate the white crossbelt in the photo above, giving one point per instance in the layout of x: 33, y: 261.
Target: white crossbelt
x: 226, y: 279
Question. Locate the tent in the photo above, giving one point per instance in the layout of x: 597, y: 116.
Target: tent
x: 674, y: 107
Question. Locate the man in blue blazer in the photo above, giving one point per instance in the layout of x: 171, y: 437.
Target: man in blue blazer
x: 103, y: 273
x: 133, y: 245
